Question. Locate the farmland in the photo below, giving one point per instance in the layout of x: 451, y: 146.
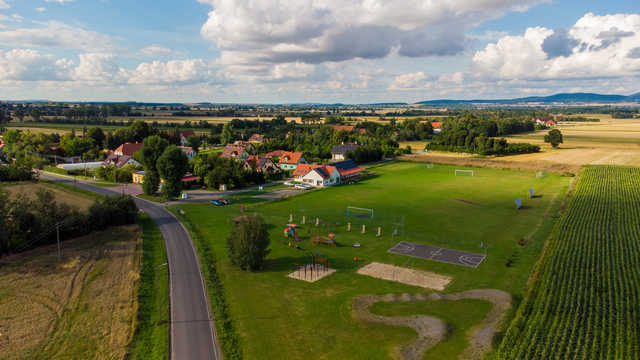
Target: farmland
x: 69, y: 197
x: 306, y: 320
x: 82, y: 307
x: 583, y: 300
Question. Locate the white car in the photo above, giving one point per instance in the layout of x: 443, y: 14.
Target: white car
x: 303, y: 186
x: 289, y: 183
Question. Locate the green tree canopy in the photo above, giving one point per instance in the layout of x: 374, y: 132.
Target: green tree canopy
x: 152, y: 148
x: 97, y: 135
x: 554, y: 138
x: 227, y: 134
x: 248, y: 243
x: 172, y: 166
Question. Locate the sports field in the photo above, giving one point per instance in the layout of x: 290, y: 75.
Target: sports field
x: 279, y: 317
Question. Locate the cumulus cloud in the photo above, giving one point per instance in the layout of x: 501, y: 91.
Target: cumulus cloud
x: 55, y: 34
x: 31, y: 65
x: 99, y: 67
x: 155, y: 51
x: 4, y: 5
x: 596, y: 46
x: 172, y: 72
x: 634, y: 53
x: 41, y: 9
x: 258, y: 32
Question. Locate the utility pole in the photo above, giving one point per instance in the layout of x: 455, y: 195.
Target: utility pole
x: 58, y: 239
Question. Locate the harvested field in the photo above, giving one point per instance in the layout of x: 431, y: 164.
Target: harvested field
x: 82, y: 307
x: 432, y: 330
x: 407, y: 276
x: 68, y: 197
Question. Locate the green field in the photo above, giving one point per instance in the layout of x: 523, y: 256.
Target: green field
x: 277, y: 317
x: 584, y: 301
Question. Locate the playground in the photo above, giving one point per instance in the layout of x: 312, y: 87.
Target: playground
x: 334, y: 233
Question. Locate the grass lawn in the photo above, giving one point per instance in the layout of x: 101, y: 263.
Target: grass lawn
x: 277, y: 317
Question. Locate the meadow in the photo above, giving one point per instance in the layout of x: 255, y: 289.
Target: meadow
x: 81, y: 307
x: 279, y: 317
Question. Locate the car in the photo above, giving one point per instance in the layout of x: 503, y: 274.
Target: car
x: 216, y: 202
x: 289, y: 183
x: 225, y: 201
x: 303, y: 186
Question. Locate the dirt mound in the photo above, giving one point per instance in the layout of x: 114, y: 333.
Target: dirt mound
x: 413, y: 277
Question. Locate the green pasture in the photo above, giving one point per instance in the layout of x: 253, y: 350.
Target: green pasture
x: 278, y: 317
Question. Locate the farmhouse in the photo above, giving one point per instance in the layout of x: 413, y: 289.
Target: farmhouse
x: 437, y: 127
x: 120, y: 161
x: 291, y: 160
x: 322, y: 176
x: 263, y: 164
x: 184, y: 136
x: 245, y: 144
x: 339, y: 152
x: 235, y: 152
x: 545, y: 122
x: 127, y: 149
x: 302, y: 170
x: 188, y: 151
x: 348, y: 170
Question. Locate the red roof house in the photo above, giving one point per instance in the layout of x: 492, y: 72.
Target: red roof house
x: 127, y: 149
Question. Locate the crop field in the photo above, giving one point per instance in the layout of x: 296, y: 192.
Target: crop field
x: 279, y: 317
x: 583, y: 301
x: 69, y: 197
x: 82, y: 307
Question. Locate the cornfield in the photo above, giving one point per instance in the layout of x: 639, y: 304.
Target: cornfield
x: 583, y: 301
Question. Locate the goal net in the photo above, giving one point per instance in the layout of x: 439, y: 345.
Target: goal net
x: 465, y: 173
x: 360, y: 213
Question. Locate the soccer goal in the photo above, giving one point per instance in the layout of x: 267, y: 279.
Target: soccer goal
x: 361, y: 213
x: 465, y: 173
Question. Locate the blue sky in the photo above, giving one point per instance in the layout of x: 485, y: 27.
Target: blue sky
x: 281, y: 51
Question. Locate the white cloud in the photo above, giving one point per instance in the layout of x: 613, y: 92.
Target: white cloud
x: 155, y: 51
x: 172, y: 72
x: 30, y: 65
x: 260, y: 32
x: 41, y: 9
x: 410, y: 81
x: 58, y: 1
x: 4, y: 5
x: 595, y: 47
x: 55, y: 34
x: 100, y: 68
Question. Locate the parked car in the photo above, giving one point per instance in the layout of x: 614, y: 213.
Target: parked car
x: 216, y: 202
x: 225, y: 201
x: 289, y: 183
x: 303, y: 186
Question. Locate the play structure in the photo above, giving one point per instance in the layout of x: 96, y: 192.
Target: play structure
x: 290, y: 232
x: 317, y: 269
x: 329, y: 240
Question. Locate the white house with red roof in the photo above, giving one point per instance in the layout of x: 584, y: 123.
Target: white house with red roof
x: 128, y: 149
x: 322, y: 176
x: 327, y: 175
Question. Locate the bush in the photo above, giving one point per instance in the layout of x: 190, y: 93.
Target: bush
x: 248, y: 243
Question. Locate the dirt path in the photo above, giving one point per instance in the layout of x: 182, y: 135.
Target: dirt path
x: 433, y: 330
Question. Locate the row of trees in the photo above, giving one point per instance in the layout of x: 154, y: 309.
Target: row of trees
x: 26, y: 223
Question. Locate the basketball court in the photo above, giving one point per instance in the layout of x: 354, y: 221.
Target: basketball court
x: 427, y: 252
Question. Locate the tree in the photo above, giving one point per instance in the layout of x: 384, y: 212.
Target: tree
x: 139, y: 130
x: 172, y: 165
x: 194, y: 142
x: 35, y: 114
x: 248, y: 243
x: 97, y: 135
x: 75, y: 146
x: 227, y: 134
x: 20, y: 114
x: 151, y: 150
x: 554, y: 138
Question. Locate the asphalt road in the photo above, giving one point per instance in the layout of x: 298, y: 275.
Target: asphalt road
x: 192, y: 331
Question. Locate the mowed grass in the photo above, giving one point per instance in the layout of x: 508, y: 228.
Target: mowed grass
x: 278, y: 317
x: 62, y: 195
x: 82, y: 307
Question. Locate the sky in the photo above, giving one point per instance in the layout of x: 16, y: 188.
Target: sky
x: 326, y: 51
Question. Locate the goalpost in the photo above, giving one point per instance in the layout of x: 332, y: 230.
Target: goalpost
x: 357, y: 212
x: 465, y: 173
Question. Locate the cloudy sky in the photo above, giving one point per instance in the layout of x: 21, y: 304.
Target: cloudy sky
x: 284, y: 51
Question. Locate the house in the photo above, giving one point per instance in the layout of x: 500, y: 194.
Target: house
x: 302, y: 170
x: 245, y: 144
x: 138, y: 177
x: 339, y: 152
x: 545, y: 122
x: 188, y: 151
x: 437, y: 127
x: 349, y: 170
x: 322, y: 176
x: 348, y: 128
x: 120, y: 161
x: 256, y: 139
x: 127, y: 149
x: 276, y: 154
x: 263, y: 164
x: 291, y: 160
x: 235, y: 152
x: 184, y: 136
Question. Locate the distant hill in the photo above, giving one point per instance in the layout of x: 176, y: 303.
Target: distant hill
x: 570, y: 98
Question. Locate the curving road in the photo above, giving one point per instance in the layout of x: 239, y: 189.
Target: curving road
x: 192, y: 331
